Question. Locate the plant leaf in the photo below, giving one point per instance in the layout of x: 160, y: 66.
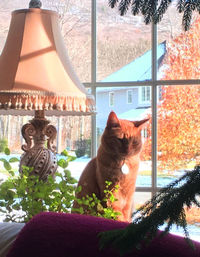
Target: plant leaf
x: 7, y: 151
x: 14, y: 159
x: 7, y: 165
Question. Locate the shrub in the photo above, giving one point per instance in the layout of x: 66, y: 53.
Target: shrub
x: 3, y: 144
x: 23, y: 195
x: 83, y: 147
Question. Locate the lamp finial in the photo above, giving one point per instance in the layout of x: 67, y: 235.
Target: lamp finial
x: 35, y: 4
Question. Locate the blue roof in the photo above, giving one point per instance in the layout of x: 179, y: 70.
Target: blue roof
x: 135, y: 114
x: 139, y: 69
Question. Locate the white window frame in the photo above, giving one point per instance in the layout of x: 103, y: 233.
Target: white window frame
x: 111, y: 99
x: 145, y: 133
x: 130, y: 91
x: 154, y: 83
x: 147, y: 99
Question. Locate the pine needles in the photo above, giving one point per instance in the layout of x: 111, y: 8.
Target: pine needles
x: 165, y: 207
x: 153, y: 10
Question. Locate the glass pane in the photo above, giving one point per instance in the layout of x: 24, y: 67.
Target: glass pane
x: 181, y: 49
x: 178, y: 140
x: 78, y: 140
x: 69, y: 130
x: 111, y: 99
x: 130, y: 96
x: 128, y: 111
x: 75, y: 23
x: 178, y: 131
x: 140, y: 198
x: 73, y: 134
x: 192, y: 217
x: 124, y: 46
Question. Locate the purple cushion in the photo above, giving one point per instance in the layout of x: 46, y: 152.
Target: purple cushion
x: 61, y: 235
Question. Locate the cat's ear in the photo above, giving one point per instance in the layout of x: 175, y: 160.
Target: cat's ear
x: 113, y: 121
x: 140, y: 124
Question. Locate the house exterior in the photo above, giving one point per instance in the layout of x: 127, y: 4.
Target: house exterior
x: 128, y: 102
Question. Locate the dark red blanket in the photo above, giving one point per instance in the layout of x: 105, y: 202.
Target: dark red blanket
x: 74, y: 235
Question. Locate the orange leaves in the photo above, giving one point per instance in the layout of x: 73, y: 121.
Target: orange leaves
x: 179, y: 110
x: 183, y: 55
x: 179, y: 115
x: 192, y: 215
x: 178, y: 126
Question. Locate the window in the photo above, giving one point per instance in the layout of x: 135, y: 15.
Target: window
x: 129, y: 96
x: 145, y: 95
x: 159, y: 93
x: 111, y: 99
x: 145, y: 133
x: 162, y: 91
x: 124, y: 52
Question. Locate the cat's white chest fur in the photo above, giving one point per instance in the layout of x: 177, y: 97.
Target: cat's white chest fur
x: 125, y: 169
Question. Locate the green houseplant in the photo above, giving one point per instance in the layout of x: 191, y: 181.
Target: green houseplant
x: 23, y: 195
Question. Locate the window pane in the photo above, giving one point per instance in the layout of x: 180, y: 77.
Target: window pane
x: 73, y: 132
x: 178, y: 140
x: 178, y: 131
x: 144, y: 96
x: 124, y: 47
x: 130, y: 96
x: 192, y: 217
x: 111, y: 99
x: 126, y: 111
x: 75, y: 23
x: 148, y: 94
x: 140, y: 198
x: 181, y: 53
x: 76, y: 29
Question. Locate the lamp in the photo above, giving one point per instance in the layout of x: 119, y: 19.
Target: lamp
x: 36, y: 77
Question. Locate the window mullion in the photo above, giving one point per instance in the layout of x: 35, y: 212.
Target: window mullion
x: 94, y: 71
x: 94, y: 42
x: 154, y: 108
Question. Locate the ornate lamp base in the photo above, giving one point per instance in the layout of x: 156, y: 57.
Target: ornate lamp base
x: 42, y: 159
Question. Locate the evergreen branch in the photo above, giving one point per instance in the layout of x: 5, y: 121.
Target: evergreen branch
x: 189, y: 7
x: 180, y: 6
x: 197, y: 3
x: 152, y: 13
x: 136, y: 6
x: 113, y: 3
x: 161, y: 10
x: 165, y: 207
x: 195, y: 201
x: 123, y: 6
x: 149, y: 7
x: 149, y: 10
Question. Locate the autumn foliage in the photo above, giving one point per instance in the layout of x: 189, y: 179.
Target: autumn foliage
x: 179, y: 108
x: 179, y: 127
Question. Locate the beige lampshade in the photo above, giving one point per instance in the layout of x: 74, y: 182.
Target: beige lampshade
x: 35, y: 71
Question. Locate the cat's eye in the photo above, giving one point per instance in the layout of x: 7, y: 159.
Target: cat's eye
x: 135, y: 142
x: 120, y: 139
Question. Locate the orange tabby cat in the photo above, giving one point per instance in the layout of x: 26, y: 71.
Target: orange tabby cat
x: 117, y: 161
